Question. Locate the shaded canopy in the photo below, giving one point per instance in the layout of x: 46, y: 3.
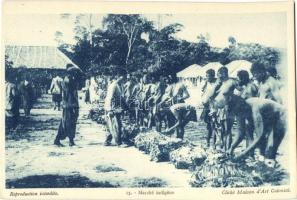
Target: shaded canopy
x: 192, y: 71
x: 42, y: 57
x: 212, y: 65
x: 238, y: 65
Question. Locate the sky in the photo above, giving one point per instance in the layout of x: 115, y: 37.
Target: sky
x: 268, y: 29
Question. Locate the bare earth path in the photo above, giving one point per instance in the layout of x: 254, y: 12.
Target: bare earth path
x: 33, y: 161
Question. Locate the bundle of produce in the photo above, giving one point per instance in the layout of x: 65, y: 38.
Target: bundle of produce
x: 98, y: 115
x: 157, y: 145
x: 218, y: 171
x: 273, y: 175
x: 188, y: 156
x: 101, y: 120
x: 160, y: 150
x: 145, y: 140
x: 129, y: 132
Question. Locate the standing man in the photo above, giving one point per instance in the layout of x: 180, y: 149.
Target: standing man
x: 86, y: 90
x: 56, y: 91
x: 12, y: 101
x: 159, y: 92
x: 128, y: 95
x: 208, y: 86
x: 113, y: 109
x: 180, y: 92
x: 269, y: 87
x: 70, y: 105
x: 26, y: 91
x: 222, y: 115
x: 246, y: 87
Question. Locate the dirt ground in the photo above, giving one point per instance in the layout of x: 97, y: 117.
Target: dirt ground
x: 33, y: 161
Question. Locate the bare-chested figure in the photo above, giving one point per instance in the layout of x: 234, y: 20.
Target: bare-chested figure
x: 129, y: 96
x: 183, y: 113
x: 143, y: 96
x: 262, y: 121
x: 246, y: 87
x: 224, y: 117
x: 269, y: 87
x: 209, y: 85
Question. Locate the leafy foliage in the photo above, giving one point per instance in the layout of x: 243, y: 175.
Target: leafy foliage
x: 133, y: 43
x: 255, y: 53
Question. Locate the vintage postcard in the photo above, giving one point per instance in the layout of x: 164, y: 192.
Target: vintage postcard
x: 148, y: 100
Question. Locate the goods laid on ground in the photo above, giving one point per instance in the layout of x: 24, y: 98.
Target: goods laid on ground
x: 156, y: 145
x: 188, y: 157
x: 129, y: 132
x: 210, y: 168
x: 97, y: 115
x: 218, y: 171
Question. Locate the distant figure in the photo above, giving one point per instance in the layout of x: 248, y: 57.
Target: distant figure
x: 113, y: 110
x: 86, y: 90
x: 56, y: 91
x: 26, y: 91
x: 93, y: 90
x: 12, y: 103
x: 70, y: 105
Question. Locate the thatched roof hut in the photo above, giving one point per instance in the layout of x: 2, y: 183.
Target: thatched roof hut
x: 36, y: 63
x: 237, y: 65
x: 190, y: 72
x: 40, y: 57
x: 211, y: 65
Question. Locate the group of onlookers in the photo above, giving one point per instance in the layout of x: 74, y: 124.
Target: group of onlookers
x: 19, y: 94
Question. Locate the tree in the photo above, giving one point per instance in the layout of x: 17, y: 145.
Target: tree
x: 131, y: 26
x: 84, y: 27
x: 254, y: 52
x: 163, y: 47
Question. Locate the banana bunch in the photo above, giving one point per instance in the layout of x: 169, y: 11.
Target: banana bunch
x: 218, y: 171
x: 144, y: 140
x: 129, y: 132
x: 157, y: 145
x: 188, y: 156
x: 97, y: 114
x: 160, y: 151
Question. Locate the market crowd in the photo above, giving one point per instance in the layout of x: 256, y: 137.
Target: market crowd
x: 150, y: 101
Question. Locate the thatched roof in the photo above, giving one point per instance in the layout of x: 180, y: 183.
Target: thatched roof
x: 238, y: 65
x: 211, y: 65
x: 190, y: 72
x: 43, y: 57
